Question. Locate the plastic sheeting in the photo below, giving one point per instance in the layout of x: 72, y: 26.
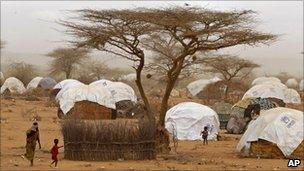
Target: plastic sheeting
x: 262, y: 80
x: 119, y: 91
x: 67, y: 83
x: 292, y: 96
x: 197, y: 86
x: 128, y: 77
x: 188, y: 119
x: 301, y: 85
x: 47, y: 83
x: 33, y: 83
x: 92, y: 93
x: 282, y: 126
x: 264, y: 91
x: 13, y: 85
x: 292, y: 83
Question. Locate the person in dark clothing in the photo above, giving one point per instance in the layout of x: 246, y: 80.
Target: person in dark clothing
x: 204, y: 134
x: 55, y: 152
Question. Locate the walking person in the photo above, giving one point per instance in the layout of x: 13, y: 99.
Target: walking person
x: 32, y: 136
x: 55, y: 152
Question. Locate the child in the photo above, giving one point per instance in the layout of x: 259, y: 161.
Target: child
x: 205, y: 135
x: 54, y: 152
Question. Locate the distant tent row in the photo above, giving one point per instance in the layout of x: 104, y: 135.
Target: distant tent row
x: 14, y: 85
x: 270, y: 87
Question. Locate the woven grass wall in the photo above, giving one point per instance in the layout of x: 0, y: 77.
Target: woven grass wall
x: 266, y: 149
x: 104, y: 140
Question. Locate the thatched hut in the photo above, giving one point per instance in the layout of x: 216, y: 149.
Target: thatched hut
x: 276, y: 133
x: 104, y: 140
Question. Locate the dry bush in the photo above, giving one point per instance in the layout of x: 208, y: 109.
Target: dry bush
x: 102, y: 140
x: 23, y: 71
x: 31, y: 114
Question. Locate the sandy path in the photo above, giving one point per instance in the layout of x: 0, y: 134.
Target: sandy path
x: 192, y: 155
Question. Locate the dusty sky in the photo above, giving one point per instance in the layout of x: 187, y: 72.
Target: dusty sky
x: 29, y: 29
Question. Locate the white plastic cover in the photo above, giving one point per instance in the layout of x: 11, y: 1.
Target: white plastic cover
x: 67, y: 83
x: 128, y: 77
x: 292, y: 83
x: 188, y: 119
x: 301, y: 85
x: 282, y: 126
x: 264, y: 91
x: 92, y: 93
x: 33, y: 83
x: 197, y: 86
x: 262, y: 80
x: 13, y: 85
x: 292, y: 96
x: 119, y: 91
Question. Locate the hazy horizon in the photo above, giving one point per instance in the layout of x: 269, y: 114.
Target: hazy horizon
x: 30, y: 31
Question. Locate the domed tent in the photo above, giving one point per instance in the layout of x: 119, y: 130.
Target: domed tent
x: 87, y: 101
x: 59, y: 88
x: 128, y: 77
x: 264, y: 91
x: 237, y: 122
x: 188, y: 119
x: 292, y: 96
x: 123, y: 95
x: 13, y: 85
x: 197, y: 86
x: 292, y: 83
x: 47, y: 83
x: 301, y: 85
x: 276, y: 133
x: 33, y: 83
x: 262, y: 80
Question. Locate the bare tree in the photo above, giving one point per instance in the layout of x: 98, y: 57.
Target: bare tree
x: 201, y: 30
x: 94, y: 68
x: 114, y: 31
x: 229, y: 67
x: 66, y: 60
x: 23, y: 71
x: 195, y: 30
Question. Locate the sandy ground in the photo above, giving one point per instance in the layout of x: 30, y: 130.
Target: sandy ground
x: 192, y: 155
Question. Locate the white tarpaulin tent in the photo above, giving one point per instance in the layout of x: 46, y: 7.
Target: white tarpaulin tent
x: 128, y: 77
x: 92, y: 93
x: 292, y: 83
x: 47, y: 83
x: 188, y: 119
x: 301, y: 85
x: 13, y: 85
x: 264, y: 91
x: 65, y: 85
x: 262, y: 80
x: 119, y: 91
x: 292, y: 96
x: 282, y: 126
x: 197, y: 86
x: 33, y: 83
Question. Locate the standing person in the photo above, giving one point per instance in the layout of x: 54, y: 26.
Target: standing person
x: 205, y: 135
x: 54, y: 152
x: 32, y: 135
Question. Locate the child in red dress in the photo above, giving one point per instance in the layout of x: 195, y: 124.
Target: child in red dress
x: 54, y: 152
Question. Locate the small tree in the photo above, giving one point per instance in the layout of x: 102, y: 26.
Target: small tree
x: 66, y: 60
x: 23, y: 71
x: 94, y: 68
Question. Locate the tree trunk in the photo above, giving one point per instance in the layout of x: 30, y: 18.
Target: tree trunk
x: 141, y: 89
x: 164, y: 103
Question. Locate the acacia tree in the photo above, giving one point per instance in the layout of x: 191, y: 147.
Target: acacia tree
x: 94, y: 68
x: 229, y: 67
x: 118, y: 32
x: 195, y: 30
x: 201, y: 30
x: 66, y: 60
